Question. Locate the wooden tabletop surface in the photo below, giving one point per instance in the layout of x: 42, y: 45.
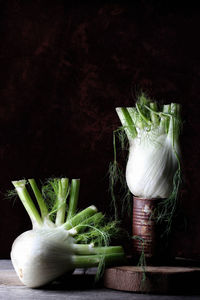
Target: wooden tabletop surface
x: 80, y: 287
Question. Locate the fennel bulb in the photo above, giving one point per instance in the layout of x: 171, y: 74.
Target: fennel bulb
x: 41, y: 255
x: 61, y: 239
x: 154, y: 152
x: 151, y: 166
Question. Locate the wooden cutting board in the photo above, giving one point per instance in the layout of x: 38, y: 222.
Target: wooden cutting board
x: 158, y: 279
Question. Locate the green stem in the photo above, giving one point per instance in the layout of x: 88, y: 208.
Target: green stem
x: 127, y: 122
x: 81, y: 249
x: 142, y: 115
x: 63, y: 190
x: 88, y: 261
x: 173, y: 108
x: 114, y: 145
x: 73, y: 200
x: 175, y: 111
x: 94, y: 219
x: 171, y: 130
x: 27, y: 201
x: 166, y: 108
x: 133, y: 114
x: 165, y: 118
x: 39, y: 198
x: 153, y: 114
x: 80, y: 217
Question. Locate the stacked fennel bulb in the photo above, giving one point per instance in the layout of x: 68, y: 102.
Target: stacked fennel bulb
x: 153, y: 167
x: 61, y: 239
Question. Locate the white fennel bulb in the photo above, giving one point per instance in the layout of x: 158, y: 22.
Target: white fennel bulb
x: 151, y: 166
x: 154, y: 154
x: 61, y: 239
x: 41, y: 255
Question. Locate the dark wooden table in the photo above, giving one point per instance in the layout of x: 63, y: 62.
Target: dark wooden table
x: 79, y: 287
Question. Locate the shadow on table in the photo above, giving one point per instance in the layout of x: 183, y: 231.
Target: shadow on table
x: 76, y: 282
x: 80, y: 282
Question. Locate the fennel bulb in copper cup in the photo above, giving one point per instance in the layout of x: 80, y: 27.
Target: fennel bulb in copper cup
x: 153, y: 172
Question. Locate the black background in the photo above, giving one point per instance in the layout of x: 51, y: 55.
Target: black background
x: 64, y: 67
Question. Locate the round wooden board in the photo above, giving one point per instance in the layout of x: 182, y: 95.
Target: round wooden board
x: 158, y: 279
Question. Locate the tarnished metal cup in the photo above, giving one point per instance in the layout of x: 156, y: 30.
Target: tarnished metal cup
x: 146, y: 231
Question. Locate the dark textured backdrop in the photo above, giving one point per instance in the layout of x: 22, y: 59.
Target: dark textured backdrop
x: 64, y: 67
